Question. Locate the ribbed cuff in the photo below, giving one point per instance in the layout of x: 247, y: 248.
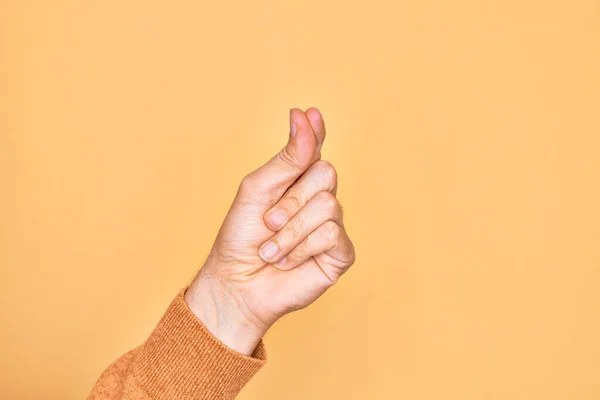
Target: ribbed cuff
x: 182, y: 359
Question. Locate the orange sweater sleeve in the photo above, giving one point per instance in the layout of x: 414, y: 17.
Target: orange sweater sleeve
x: 180, y: 360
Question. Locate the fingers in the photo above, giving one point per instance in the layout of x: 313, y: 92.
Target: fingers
x: 330, y: 240
x: 269, y: 182
x: 321, y: 208
x: 321, y: 176
x: 318, y: 125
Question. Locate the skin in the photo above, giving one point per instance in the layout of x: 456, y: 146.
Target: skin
x: 281, y: 245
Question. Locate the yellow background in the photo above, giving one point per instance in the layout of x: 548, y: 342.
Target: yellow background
x: 466, y: 135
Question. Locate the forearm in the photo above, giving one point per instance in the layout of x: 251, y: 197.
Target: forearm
x: 180, y: 360
x: 224, y: 313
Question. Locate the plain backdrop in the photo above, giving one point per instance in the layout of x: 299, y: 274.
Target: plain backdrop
x: 466, y: 135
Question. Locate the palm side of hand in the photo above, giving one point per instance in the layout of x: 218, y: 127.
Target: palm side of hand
x: 313, y: 249
x: 267, y: 291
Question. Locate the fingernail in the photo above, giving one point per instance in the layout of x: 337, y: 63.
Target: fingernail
x: 293, y: 124
x: 277, y: 218
x: 268, y: 251
x: 281, y: 263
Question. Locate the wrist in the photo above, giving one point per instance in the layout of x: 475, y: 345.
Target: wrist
x: 224, y: 314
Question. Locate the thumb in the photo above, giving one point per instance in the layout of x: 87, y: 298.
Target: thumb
x: 269, y: 182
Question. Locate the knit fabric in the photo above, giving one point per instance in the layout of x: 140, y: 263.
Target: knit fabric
x: 180, y: 360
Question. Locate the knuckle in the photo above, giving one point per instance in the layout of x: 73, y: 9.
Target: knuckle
x: 293, y: 201
x: 352, y: 254
x: 329, y: 201
x: 250, y: 190
x: 333, y: 278
x: 288, y: 156
x: 296, y: 228
x: 246, y: 183
x: 332, y: 231
x: 297, y: 254
x: 327, y: 171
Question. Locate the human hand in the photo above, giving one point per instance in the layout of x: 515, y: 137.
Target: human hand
x: 281, y: 246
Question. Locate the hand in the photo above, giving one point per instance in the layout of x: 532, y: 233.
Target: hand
x: 281, y: 246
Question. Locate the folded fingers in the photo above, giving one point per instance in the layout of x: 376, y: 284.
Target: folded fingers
x: 320, y: 176
x: 321, y: 208
x: 328, y: 240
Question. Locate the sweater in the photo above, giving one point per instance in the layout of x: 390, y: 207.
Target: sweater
x: 180, y: 360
